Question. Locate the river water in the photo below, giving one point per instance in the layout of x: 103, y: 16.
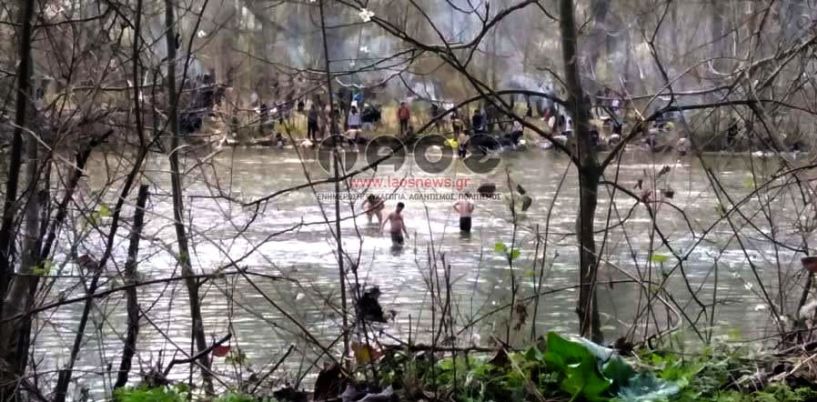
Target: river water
x: 288, y: 237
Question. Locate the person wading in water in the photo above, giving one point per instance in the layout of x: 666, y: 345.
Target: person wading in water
x: 396, y: 225
x: 465, y: 207
x: 374, y: 205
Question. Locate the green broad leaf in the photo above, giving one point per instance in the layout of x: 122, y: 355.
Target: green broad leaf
x: 583, y: 380
x: 578, y: 368
x: 500, y: 247
x: 659, y: 258
x: 562, y: 352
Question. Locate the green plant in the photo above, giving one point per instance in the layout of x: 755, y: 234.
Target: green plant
x: 577, y: 369
x: 145, y: 394
x: 238, y: 397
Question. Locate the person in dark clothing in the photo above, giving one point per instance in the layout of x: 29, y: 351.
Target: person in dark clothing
x: 477, y: 122
x: 594, y: 137
x: 312, y: 129
x: 435, y: 110
x: 263, y: 112
x: 732, y: 133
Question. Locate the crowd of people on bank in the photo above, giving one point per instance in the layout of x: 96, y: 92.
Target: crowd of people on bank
x: 353, y: 113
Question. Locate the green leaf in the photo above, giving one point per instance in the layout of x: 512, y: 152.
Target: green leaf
x: 231, y: 397
x: 533, y: 354
x: 515, y: 254
x: 500, y: 247
x: 579, y: 371
x: 145, y: 394
x: 44, y: 268
x: 659, y: 258
x: 104, y: 211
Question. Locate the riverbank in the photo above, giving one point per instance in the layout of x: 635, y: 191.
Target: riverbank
x: 557, y: 368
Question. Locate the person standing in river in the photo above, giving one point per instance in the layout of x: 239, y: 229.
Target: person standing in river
x: 397, y: 226
x: 465, y: 207
x: 374, y: 205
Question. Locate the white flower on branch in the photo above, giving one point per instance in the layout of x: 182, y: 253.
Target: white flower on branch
x: 365, y: 15
x: 201, y: 34
x: 364, y: 49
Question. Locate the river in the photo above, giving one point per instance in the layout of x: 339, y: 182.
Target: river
x: 304, y: 250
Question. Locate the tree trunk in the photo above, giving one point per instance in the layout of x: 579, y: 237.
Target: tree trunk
x: 130, y: 278
x: 129, y: 348
x: 16, y: 153
x: 11, y: 365
x: 589, y: 174
x: 336, y: 134
x: 178, y: 205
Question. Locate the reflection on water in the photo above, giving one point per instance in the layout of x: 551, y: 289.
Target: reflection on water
x: 250, y: 304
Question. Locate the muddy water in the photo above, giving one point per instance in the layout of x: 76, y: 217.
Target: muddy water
x: 289, y: 237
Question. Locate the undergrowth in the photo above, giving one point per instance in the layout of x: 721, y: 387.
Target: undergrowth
x: 559, y: 369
